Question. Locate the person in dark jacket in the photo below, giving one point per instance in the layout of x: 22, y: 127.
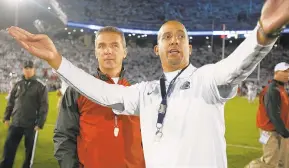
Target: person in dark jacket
x: 90, y: 135
x: 273, y: 121
x: 28, y: 107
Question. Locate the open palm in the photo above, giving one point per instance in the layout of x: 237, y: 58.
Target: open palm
x: 275, y: 15
x: 39, y: 45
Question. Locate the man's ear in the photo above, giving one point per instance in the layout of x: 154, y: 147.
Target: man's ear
x: 191, y: 49
x: 156, y: 50
x: 125, y: 53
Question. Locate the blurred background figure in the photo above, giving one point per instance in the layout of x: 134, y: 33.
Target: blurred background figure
x: 28, y: 107
x: 251, y: 91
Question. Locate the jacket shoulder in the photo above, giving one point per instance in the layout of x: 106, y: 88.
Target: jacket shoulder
x: 274, y: 87
x: 71, y: 90
x: 40, y: 82
x: 129, y: 79
x: 71, y: 96
x: 17, y: 82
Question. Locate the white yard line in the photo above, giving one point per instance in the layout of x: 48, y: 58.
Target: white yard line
x: 228, y: 145
x: 244, y: 146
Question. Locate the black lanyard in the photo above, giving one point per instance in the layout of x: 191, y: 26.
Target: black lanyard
x: 163, y: 105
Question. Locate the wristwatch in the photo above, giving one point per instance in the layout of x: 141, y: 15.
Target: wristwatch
x: 271, y: 35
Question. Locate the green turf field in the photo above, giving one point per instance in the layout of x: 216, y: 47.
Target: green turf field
x: 241, y: 135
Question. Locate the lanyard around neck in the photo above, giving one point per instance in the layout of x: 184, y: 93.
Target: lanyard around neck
x: 163, y: 106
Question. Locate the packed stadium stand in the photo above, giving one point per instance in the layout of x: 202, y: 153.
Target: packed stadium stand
x: 149, y: 14
x: 141, y: 63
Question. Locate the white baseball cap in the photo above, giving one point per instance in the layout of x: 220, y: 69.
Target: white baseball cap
x: 282, y: 66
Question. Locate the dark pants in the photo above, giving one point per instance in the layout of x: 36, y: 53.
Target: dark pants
x: 13, y: 139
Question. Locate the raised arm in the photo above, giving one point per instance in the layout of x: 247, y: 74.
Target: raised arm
x: 117, y: 97
x: 240, y: 64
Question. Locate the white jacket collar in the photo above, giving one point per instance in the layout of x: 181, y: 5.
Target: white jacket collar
x: 188, y: 71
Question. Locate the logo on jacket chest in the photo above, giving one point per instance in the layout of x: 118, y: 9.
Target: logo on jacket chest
x: 156, y: 90
x: 185, y: 85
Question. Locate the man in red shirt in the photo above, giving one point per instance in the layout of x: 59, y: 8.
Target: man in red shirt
x: 273, y: 121
x: 90, y: 135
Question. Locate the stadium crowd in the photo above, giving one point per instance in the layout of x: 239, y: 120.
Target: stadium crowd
x: 149, y: 14
x: 141, y: 62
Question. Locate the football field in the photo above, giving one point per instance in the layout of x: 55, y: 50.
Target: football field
x: 241, y: 134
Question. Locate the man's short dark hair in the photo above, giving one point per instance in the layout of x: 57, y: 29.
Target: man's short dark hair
x: 112, y: 30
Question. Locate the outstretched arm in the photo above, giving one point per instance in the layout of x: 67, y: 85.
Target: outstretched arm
x: 229, y: 72
x: 117, y: 97
x: 240, y: 64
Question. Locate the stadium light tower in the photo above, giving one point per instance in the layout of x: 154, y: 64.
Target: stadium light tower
x: 16, y: 2
x: 16, y: 13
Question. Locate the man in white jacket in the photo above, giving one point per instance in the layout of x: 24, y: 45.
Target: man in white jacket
x: 182, y: 115
x: 251, y: 92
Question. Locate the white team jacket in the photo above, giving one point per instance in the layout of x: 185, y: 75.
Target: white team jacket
x: 194, y: 125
